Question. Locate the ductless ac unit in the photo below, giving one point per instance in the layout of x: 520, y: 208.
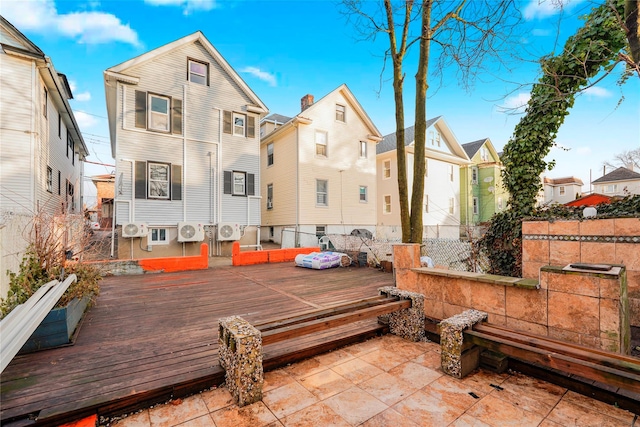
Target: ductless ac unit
x: 135, y: 229
x: 228, y: 231
x: 190, y: 232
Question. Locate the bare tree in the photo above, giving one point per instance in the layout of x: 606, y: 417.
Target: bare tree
x: 458, y: 34
x: 629, y: 159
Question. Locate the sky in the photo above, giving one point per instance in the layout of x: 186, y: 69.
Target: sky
x: 287, y: 49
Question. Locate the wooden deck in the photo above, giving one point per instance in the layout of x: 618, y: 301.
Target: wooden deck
x: 151, y: 337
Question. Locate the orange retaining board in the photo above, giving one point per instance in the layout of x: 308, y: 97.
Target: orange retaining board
x: 270, y: 256
x: 172, y: 264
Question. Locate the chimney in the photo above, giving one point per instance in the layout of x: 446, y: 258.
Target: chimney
x: 306, y: 102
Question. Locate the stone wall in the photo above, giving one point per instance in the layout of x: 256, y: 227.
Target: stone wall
x: 600, y: 241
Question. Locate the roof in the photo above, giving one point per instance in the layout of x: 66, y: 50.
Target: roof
x: 276, y: 118
x: 592, y: 199
x: 563, y: 181
x: 620, y: 174
x: 471, y: 148
x: 388, y: 142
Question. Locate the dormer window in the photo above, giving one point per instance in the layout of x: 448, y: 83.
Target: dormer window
x: 340, y: 113
x: 198, y: 72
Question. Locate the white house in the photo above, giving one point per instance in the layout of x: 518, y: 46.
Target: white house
x: 444, y: 158
x: 183, y: 127
x: 41, y: 160
x: 561, y: 190
x: 318, y: 170
x: 620, y: 182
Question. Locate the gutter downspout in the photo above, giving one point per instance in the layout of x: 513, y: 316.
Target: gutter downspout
x: 297, y: 238
x: 184, y: 159
x: 32, y: 137
x: 218, y: 172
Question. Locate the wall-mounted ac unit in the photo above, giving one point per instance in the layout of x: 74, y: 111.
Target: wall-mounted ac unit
x: 190, y: 232
x: 269, y: 204
x: 228, y: 231
x: 135, y: 229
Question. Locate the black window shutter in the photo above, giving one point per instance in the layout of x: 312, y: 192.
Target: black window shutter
x: 176, y: 182
x: 176, y: 117
x: 251, y: 184
x: 228, y: 175
x: 226, y: 124
x: 141, y: 180
x: 251, y: 127
x: 141, y: 109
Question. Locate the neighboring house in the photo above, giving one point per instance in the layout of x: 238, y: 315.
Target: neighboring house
x: 184, y: 135
x: 41, y: 160
x: 319, y: 171
x: 620, y: 182
x: 561, y: 190
x: 105, y: 187
x: 592, y: 199
x: 444, y: 158
x: 481, y: 193
x: 271, y: 122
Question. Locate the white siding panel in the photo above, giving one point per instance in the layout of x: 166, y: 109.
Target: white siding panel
x: 200, y: 182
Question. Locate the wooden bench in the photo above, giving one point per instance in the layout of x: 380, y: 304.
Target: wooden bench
x: 22, y: 321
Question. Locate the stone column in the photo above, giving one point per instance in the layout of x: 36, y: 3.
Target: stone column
x: 407, y: 323
x: 240, y: 354
x: 457, y: 360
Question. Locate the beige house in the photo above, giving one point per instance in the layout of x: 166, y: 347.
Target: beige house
x: 561, y: 190
x: 620, y: 182
x: 318, y: 171
x: 444, y: 159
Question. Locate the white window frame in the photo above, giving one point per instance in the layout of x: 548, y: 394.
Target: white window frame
x: 438, y: 138
x: 452, y: 205
x: 156, y: 236
x: 476, y: 206
x: 484, y: 154
x: 451, y: 173
x: 324, y: 194
x: 155, y: 187
x: 365, y: 193
x: 151, y: 114
x: 561, y: 190
x: 386, y: 204
x: 239, y: 183
x: 474, y: 175
x: 610, y: 188
x: 270, y: 157
x: 49, y: 179
x: 432, y: 138
x: 239, y: 129
x: 197, y: 74
x: 341, y: 110
x: 321, y: 143
x: 386, y: 169
x: 269, y: 196
x: 363, y: 149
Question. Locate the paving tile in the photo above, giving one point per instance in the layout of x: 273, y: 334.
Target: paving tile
x: 497, y: 412
x: 570, y: 414
x: 415, y: 374
x: 325, y: 384
x: 601, y: 407
x: 288, y: 399
x: 254, y: 415
x: 430, y: 359
x: 389, y: 418
x: 406, y: 348
x: 357, y: 370
x: 305, y: 368
x: 388, y: 388
x: 428, y: 410
x: 203, y: 421
x: 383, y: 359
x: 548, y: 423
x: 318, y: 414
x: 451, y: 392
x: 530, y: 394
x: 480, y: 380
x: 355, y: 405
x: 178, y: 411
x: 217, y: 398
x: 467, y: 420
x: 334, y: 358
x: 364, y: 347
x: 140, y: 419
x: 275, y: 379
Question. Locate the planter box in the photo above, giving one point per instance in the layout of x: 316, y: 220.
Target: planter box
x: 57, y: 328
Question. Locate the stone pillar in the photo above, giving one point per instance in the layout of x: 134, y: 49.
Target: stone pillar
x: 407, y: 323
x: 240, y: 354
x: 457, y: 360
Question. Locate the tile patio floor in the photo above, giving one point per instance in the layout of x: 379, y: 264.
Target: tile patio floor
x: 387, y: 381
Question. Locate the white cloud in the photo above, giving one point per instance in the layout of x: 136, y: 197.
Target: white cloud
x: 540, y: 32
x: 515, y: 103
x: 598, y: 92
x: 85, y: 121
x: 262, y: 75
x: 541, y: 9
x: 82, y: 96
x: 86, y: 27
x: 188, y: 6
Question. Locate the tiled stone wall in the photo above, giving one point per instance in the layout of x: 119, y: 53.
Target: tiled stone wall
x: 599, y: 241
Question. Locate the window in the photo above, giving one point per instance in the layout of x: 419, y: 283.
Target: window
x: 198, y: 72
x: 484, y: 154
x: 451, y: 173
x: 363, y: 194
x: 158, y: 113
x: 611, y: 188
x: 499, y: 203
x: 239, y: 124
x: 272, y: 232
x: 270, y: 154
x: 59, y: 183
x: 49, y: 179
x: 363, y: 148
x: 474, y: 175
x: 426, y: 203
x: 158, y: 236
x: 45, y: 99
x: 70, y: 195
x: 322, y: 192
x: 59, y: 125
x: 432, y: 138
x: 321, y: 230
x: 561, y: 190
x: 386, y: 169
x: 158, y: 181
x: 476, y: 208
x: 340, y: 113
x: 70, y: 144
x: 386, y: 206
x: 239, y: 183
x: 270, y: 196
x: 321, y: 143
x: 451, y: 205
x: 438, y: 139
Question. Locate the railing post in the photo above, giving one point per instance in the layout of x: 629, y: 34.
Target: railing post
x: 407, y: 323
x: 458, y: 360
x: 240, y: 355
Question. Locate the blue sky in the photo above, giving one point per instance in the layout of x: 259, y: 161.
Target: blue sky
x: 286, y: 49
